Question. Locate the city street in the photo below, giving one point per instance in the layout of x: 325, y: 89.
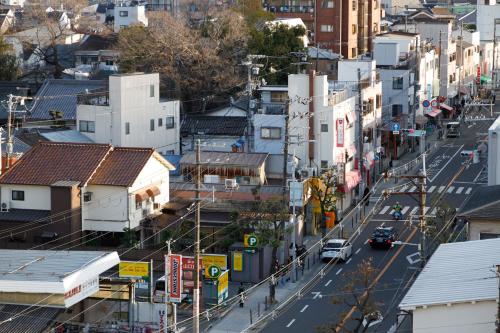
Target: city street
x: 398, y: 266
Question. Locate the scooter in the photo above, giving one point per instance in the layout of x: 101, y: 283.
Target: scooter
x: 397, y: 215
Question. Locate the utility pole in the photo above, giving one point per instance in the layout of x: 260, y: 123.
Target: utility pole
x: 439, y: 62
x: 360, y: 137
x: 252, y: 69
x: 285, y: 148
x: 10, y: 145
x: 196, y: 287
x: 498, y: 303
x: 422, y: 220
x: 462, y: 60
x: 167, y: 291
x: 416, y: 84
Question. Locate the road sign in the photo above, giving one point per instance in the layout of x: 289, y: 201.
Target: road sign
x: 250, y: 240
x: 426, y: 103
x: 395, y: 132
x: 133, y: 269
x: 434, y: 103
x: 395, y: 127
x: 213, y: 272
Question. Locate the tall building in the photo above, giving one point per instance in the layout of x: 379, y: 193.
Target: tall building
x: 343, y: 26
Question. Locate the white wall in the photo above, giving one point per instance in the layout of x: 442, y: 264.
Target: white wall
x: 386, y: 53
x: 136, y: 15
x: 107, y: 211
x: 493, y: 153
x: 476, y: 227
x: 271, y: 146
x: 35, y: 197
x: 457, y: 318
x: 485, y: 17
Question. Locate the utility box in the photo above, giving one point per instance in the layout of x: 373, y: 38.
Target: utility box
x: 249, y: 265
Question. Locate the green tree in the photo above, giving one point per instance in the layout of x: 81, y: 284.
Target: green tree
x: 324, y: 189
x: 253, y: 12
x: 9, y: 67
x: 277, y: 42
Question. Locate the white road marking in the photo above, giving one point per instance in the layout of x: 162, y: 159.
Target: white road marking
x: 479, y: 174
x: 441, y: 189
x: 290, y: 323
x: 468, y: 190
x: 460, y: 189
x: 450, y: 189
x: 326, y: 285
x: 414, y: 210
x: 444, y: 167
x: 316, y: 294
x: 384, y: 209
x: 357, y: 251
x: 405, y: 209
x: 426, y: 209
x: 305, y: 307
x: 391, y: 212
x: 434, y: 210
x: 348, y: 261
x: 412, y: 189
x: 411, y: 260
x: 366, y: 241
x: 338, y: 272
x: 432, y: 189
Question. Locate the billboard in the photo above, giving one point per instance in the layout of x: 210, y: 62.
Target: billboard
x: 175, y: 280
x: 82, y: 291
x: 339, y: 124
x: 133, y: 269
x: 238, y: 261
x: 219, y: 260
x: 222, y: 287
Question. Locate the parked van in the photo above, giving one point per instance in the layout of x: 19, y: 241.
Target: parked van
x: 453, y: 130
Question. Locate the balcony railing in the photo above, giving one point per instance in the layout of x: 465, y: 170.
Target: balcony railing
x: 94, y: 97
x: 289, y: 9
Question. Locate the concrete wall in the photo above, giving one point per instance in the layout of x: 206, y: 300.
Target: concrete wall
x: 272, y: 146
x: 476, y: 227
x: 485, y: 17
x: 107, y: 211
x: 386, y: 53
x: 493, y: 153
x: 35, y: 197
x: 136, y: 15
x: 457, y: 318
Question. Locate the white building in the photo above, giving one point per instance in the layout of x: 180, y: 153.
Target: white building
x: 130, y: 114
x: 101, y: 188
x: 19, y: 3
x: 457, y: 291
x: 129, y: 13
x: 494, y: 153
x: 487, y: 13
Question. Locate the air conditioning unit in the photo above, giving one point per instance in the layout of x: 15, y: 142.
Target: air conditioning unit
x: 5, y: 206
x: 308, y: 172
x: 230, y: 183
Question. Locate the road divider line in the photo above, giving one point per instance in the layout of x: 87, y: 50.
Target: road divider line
x: 348, y: 261
x: 290, y: 323
x: 468, y: 190
x: 405, y: 209
x: 358, y: 250
x: 414, y: 210
x: 444, y: 167
x: 338, y: 272
x: 304, y: 308
x: 326, y: 285
x: 366, y: 242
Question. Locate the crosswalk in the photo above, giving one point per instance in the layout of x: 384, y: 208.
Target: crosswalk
x: 406, y: 210
x: 463, y: 190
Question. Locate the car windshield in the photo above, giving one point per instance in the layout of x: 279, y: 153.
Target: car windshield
x: 333, y: 246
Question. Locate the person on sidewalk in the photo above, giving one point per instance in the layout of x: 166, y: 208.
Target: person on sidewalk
x: 366, y: 195
x: 241, y: 293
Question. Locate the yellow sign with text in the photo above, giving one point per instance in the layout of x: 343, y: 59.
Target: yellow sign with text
x: 223, y: 282
x: 219, y: 260
x: 133, y: 269
x: 238, y: 261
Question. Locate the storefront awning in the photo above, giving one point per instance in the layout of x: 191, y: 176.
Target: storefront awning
x: 141, y: 196
x: 352, y: 179
x: 464, y: 91
x: 153, y: 191
x: 446, y: 106
x: 421, y: 120
x: 434, y: 113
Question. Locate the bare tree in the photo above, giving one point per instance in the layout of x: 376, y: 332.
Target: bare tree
x: 357, y: 295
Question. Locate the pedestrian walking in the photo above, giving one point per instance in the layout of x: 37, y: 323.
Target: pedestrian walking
x: 241, y: 292
x: 366, y: 195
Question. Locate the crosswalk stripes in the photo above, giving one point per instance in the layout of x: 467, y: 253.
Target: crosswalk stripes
x: 426, y: 209
x: 412, y: 189
x: 468, y: 190
x: 450, y: 189
x: 431, y: 189
x: 460, y: 189
x: 414, y: 210
x: 385, y: 209
x: 433, y: 211
x: 405, y: 209
x: 441, y: 189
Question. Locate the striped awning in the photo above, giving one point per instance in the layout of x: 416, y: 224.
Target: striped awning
x: 141, y: 196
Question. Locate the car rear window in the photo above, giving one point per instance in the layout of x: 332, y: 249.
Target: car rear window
x: 382, y: 232
x: 333, y: 245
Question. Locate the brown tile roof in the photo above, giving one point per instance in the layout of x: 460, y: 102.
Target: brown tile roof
x: 122, y: 166
x: 441, y: 11
x: 49, y: 162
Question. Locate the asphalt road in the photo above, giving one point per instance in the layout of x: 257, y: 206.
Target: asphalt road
x: 398, y: 266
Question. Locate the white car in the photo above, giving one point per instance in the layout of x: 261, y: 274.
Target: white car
x: 336, y: 248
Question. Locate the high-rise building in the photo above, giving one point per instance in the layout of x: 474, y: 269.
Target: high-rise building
x: 343, y: 26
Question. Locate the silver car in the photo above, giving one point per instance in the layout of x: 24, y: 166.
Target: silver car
x: 336, y: 248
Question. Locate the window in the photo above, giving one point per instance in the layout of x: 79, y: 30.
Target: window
x: 18, y: 195
x: 354, y: 52
x: 397, y: 109
x: 138, y: 204
x: 127, y: 128
x: 324, y: 164
x: 170, y: 152
x: 123, y: 13
x: 327, y: 4
x: 324, y: 128
x: 160, y: 122
x: 152, y: 90
x: 169, y: 122
x: 326, y: 28
x: 87, y: 126
x: 375, y: 4
x: 152, y: 125
x: 378, y: 101
x: 87, y: 196
x: 397, y: 83
x: 278, y: 96
x: 353, y: 29
x: 270, y: 133
x: 375, y: 27
x: 109, y: 62
x: 354, y: 5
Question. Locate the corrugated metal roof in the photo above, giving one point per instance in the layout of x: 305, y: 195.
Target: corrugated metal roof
x: 483, y: 202
x: 60, y: 95
x: 66, y: 136
x: 25, y: 215
x: 214, y: 158
x: 214, y: 125
x: 33, y: 320
x: 44, y: 265
x: 457, y: 272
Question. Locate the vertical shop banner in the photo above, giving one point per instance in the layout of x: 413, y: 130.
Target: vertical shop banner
x: 340, y: 132
x: 238, y: 261
x: 175, y: 291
